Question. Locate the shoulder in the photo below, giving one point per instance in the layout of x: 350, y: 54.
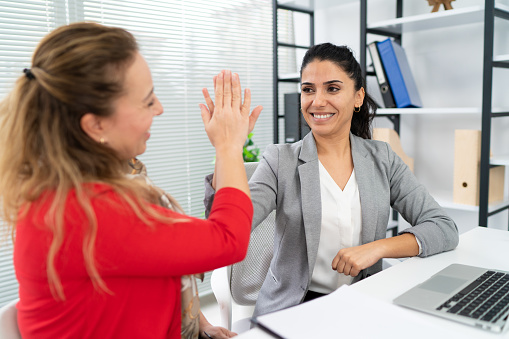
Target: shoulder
x: 374, y: 147
x: 303, y: 150
x: 378, y: 151
x: 288, y: 149
x: 283, y: 153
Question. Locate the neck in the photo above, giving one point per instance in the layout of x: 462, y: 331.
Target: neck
x: 337, y: 146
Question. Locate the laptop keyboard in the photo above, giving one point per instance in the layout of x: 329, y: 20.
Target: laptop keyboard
x: 487, y: 298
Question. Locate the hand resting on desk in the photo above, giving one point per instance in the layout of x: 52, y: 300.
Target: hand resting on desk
x: 352, y: 260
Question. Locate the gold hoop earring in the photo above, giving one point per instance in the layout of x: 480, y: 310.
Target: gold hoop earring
x: 102, y: 141
x: 357, y: 109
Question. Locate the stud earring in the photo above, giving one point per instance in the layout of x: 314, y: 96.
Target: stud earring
x: 102, y: 141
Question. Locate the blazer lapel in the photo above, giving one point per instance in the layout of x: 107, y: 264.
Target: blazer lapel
x: 364, y: 173
x: 310, y: 195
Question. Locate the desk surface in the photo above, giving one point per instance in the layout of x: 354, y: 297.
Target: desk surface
x: 479, y: 247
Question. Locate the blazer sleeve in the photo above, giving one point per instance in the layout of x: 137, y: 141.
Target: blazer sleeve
x: 431, y: 225
x: 264, y: 185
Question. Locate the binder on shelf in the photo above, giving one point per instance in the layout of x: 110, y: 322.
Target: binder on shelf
x: 399, y: 75
x: 385, y: 89
x: 373, y: 90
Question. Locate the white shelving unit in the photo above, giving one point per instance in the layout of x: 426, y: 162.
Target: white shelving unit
x: 435, y: 20
x: 435, y: 110
x: 475, y: 14
x: 500, y: 160
x: 444, y: 198
x: 441, y: 19
x: 501, y: 58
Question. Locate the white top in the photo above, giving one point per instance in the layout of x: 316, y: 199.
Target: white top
x: 341, y: 228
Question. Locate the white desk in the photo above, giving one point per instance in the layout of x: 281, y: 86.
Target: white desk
x: 479, y: 247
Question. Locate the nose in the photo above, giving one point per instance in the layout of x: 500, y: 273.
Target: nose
x: 158, y: 109
x: 320, y: 99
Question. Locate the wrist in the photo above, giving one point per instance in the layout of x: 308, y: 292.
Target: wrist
x: 229, y: 150
x: 380, y: 248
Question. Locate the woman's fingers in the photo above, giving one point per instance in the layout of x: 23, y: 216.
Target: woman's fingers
x: 218, y: 91
x: 245, y: 109
x: 254, y: 117
x: 208, y: 100
x: 236, y: 91
x: 205, y: 115
x: 227, y: 89
x: 247, y: 101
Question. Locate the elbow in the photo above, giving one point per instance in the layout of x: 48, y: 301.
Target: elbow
x: 241, y: 248
x: 454, y: 238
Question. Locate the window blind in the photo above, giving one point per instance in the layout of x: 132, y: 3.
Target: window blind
x: 185, y: 44
x: 22, y: 25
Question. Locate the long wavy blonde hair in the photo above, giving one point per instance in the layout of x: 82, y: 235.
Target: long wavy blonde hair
x: 76, y: 69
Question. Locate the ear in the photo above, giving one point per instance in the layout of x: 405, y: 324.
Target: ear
x: 359, y: 97
x: 93, y: 126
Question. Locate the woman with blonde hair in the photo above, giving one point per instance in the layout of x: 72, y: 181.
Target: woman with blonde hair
x: 96, y: 254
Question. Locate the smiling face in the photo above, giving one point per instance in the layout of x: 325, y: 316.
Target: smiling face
x: 128, y: 128
x: 328, y: 99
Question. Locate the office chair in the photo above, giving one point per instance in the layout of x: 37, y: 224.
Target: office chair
x: 9, y: 321
x: 238, y: 285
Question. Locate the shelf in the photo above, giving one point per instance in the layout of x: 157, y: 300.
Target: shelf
x: 500, y: 160
x: 445, y: 200
x: 501, y: 58
x: 289, y: 76
x: 436, y: 110
x: 455, y: 17
x: 392, y: 224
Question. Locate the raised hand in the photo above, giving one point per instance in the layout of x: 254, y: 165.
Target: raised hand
x: 247, y: 102
x: 227, y: 123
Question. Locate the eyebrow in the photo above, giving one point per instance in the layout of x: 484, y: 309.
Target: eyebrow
x: 149, y: 95
x: 325, y: 83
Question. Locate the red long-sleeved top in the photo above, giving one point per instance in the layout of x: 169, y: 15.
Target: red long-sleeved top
x: 140, y: 264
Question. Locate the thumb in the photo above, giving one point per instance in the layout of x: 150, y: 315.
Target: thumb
x: 205, y: 115
x: 254, y: 117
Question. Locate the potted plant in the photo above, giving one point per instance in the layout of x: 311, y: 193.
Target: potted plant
x: 250, y: 152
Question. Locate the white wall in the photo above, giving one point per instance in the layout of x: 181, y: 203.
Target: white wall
x: 447, y: 67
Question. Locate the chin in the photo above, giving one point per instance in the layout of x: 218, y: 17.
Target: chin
x: 141, y: 152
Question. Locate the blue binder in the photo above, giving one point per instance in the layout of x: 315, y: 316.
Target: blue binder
x: 399, y: 75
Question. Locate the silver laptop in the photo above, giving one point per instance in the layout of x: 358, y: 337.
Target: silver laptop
x: 471, y: 295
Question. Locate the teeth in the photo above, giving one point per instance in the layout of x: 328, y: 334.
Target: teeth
x: 322, y: 116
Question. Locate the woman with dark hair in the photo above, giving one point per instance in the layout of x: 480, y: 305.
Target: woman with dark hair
x: 333, y: 191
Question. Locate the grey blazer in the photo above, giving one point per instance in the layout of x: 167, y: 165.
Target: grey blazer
x: 287, y: 180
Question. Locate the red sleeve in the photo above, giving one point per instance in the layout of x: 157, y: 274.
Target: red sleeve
x: 127, y: 246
